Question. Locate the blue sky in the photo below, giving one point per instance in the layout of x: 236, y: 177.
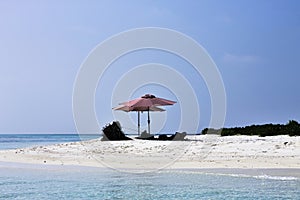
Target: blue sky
x: 255, y: 45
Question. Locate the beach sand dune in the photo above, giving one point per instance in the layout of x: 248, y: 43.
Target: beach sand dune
x: 198, y: 152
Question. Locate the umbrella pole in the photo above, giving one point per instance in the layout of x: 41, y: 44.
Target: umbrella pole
x: 148, y: 121
x: 139, y: 125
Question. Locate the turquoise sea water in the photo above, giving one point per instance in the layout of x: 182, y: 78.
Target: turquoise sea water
x: 25, y: 181
x: 61, y: 182
x: 13, y: 141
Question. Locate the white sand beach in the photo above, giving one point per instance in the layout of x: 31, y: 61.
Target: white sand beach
x: 198, y: 152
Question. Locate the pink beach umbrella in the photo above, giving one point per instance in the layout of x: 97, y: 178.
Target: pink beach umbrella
x: 147, y: 103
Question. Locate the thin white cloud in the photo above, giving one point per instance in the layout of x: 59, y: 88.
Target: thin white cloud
x: 240, y: 58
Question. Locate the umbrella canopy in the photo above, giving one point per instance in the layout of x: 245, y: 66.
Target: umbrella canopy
x: 147, y: 103
x: 148, y: 100
x: 129, y: 109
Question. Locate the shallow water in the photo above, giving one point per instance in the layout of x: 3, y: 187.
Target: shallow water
x: 62, y: 182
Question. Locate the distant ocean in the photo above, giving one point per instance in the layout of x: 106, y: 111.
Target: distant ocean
x: 13, y: 141
x: 26, y: 181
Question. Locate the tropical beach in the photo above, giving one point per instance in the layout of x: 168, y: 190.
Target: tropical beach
x: 252, y: 147
x: 212, y: 165
x: 197, y: 152
x: 149, y: 100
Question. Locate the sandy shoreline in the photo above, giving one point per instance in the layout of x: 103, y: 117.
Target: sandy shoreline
x: 199, y: 152
x: 265, y: 173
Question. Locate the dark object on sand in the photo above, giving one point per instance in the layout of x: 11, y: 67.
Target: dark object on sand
x: 179, y: 136
x: 163, y: 137
x: 146, y: 136
x: 113, y: 132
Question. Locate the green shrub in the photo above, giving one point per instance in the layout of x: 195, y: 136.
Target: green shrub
x: 292, y: 128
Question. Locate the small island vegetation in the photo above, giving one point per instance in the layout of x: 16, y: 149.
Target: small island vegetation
x: 292, y: 128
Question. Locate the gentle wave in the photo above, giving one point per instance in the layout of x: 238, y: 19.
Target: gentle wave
x: 239, y: 175
x: 281, y: 178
